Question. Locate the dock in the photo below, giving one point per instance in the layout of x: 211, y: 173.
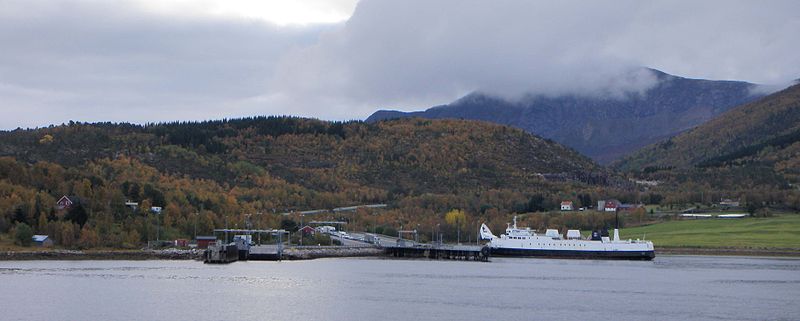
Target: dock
x: 222, y: 253
x: 373, y: 245
x: 439, y: 252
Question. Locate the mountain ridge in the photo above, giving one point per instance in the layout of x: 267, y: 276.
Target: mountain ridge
x: 604, y: 128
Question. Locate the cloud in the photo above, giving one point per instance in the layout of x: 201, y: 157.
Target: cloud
x: 118, y: 61
x: 124, y: 61
x: 413, y: 54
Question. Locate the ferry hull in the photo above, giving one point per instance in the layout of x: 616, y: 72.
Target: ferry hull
x: 567, y: 254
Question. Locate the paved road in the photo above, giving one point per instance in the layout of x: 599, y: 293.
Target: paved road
x: 349, y: 242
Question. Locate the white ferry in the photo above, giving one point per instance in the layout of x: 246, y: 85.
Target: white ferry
x: 525, y: 242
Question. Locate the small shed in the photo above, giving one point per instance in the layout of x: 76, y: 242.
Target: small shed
x: 42, y: 240
x: 204, y: 241
x: 727, y: 202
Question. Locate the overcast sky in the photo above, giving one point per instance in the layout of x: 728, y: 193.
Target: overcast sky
x: 162, y: 60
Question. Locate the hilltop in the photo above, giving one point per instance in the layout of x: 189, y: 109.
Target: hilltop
x: 602, y: 127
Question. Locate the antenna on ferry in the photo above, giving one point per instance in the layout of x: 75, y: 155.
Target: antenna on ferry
x: 515, y: 222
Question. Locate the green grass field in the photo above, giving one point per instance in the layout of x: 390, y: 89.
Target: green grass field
x: 778, y: 232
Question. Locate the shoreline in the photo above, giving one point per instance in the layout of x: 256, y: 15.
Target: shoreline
x: 308, y: 254
x: 728, y: 252
x: 77, y: 255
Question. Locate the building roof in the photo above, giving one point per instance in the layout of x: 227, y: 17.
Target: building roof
x: 40, y: 238
x: 566, y: 203
x: 68, y: 199
x: 206, y: 238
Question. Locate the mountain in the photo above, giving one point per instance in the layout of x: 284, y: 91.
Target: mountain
x: 761, y: 138
x: 604, y: 128
x: 210, y: 172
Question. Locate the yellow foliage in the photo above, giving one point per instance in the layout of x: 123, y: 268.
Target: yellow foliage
x: 456, y: 217
x: 46, y: 139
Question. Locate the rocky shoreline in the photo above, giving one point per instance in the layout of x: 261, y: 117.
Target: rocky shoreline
x: 316, y: 253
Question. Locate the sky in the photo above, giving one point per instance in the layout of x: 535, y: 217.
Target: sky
x: 166, y: 60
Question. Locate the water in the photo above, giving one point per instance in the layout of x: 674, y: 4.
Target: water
x: 669, y: 288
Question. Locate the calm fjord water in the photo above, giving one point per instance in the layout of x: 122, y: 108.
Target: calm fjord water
x: 669, y: 288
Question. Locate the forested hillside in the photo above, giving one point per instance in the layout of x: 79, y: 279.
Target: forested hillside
x: 754, y: 148
x: 204, y: 174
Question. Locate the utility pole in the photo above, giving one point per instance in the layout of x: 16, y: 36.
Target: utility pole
x: 158, y: 229
x: 196, y: 214
x: 301, y: 226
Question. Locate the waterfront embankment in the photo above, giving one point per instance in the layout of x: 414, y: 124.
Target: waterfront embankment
x: 166, y: 254
x: 289, y: 253
x: 755, y: 252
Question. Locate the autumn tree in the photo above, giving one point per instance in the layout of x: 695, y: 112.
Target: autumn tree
x: 88, y: 237
x: 457, y: 218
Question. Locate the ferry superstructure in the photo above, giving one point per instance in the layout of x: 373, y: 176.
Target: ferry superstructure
x: 526, y: 242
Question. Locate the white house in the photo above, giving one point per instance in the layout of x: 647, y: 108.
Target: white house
x: 567, y: 206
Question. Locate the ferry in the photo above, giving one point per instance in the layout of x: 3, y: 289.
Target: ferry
x: 525, y: 242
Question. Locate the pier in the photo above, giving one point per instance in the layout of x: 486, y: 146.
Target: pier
x: 440, y: 252
x: 222, y: 253
x: 374, y: 245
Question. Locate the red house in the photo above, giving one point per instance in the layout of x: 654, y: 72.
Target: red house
x: 611, y: 205
x: 64, y: 202
x: 307, y: 230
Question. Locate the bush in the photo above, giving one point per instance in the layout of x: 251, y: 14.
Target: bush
x: 23, y: 234
x: 762, y: 212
